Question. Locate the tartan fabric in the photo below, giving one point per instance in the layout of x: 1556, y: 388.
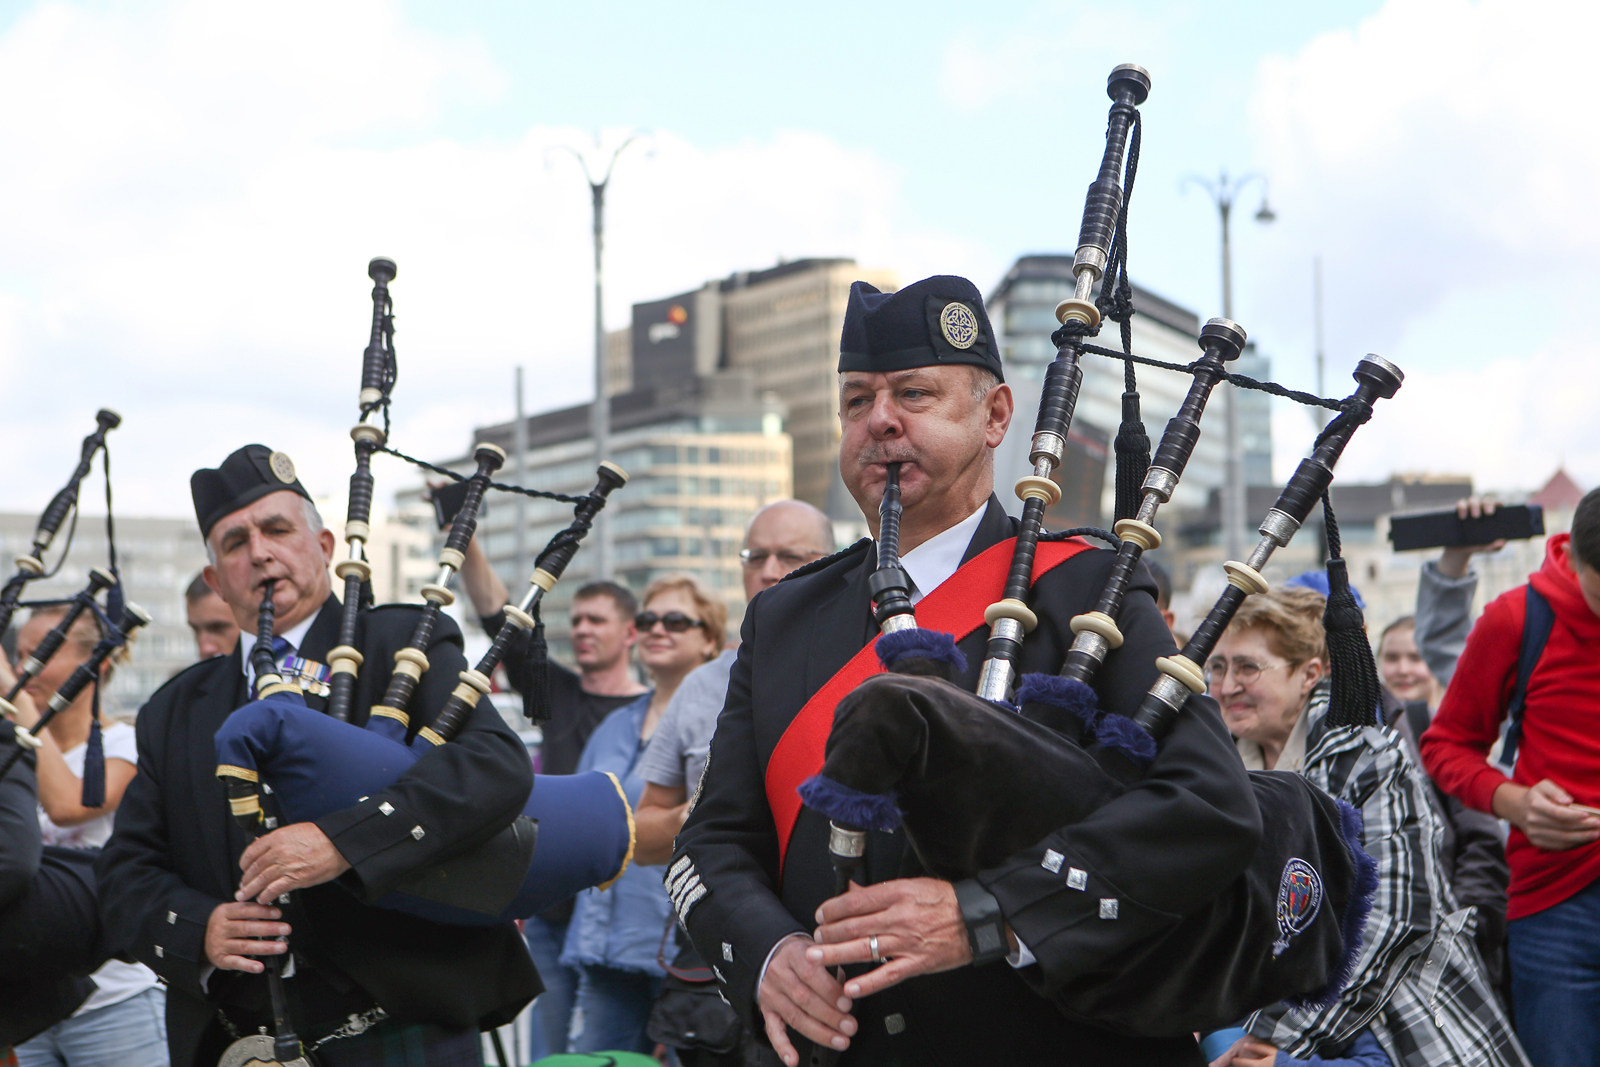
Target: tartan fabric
x: 397, y: 1044
x: 1419, y: 984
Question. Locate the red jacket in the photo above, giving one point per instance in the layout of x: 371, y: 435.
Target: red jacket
x: 1560, y: 725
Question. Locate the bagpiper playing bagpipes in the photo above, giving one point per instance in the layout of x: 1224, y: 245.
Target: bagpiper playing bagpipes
x: 1061, y: 859
x: 335, y: 830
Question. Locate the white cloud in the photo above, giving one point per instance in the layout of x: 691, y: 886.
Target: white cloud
x: 196, y: 189
x: 1442, y: 156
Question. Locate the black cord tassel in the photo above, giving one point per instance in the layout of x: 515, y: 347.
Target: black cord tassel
x: 1356, y: 691
x: 1133, y: 450
x: 538, y: 701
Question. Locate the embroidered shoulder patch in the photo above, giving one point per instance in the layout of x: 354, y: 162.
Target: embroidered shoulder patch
x: 1299, y: 900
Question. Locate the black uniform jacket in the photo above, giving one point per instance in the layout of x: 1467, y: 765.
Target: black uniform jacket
x: 1163, y: 848
x: 175, y: 856
x: 49, y: 932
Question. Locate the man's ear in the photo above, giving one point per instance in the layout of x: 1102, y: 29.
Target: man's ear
x: 209, y: 574
x: 325, y: 538
x: 1002, y: 405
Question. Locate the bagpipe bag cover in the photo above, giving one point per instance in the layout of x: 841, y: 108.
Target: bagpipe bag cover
x: 977, y: 783
x: 316, y: 764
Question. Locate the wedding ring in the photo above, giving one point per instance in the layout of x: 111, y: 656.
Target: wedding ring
x: 872, y: 943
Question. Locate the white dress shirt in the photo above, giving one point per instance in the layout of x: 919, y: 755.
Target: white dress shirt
x: 932, y: 563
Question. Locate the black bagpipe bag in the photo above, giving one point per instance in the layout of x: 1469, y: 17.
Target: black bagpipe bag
x: 974, y: 783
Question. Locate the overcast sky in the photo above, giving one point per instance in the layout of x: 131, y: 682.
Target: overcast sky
x: 190, y: 193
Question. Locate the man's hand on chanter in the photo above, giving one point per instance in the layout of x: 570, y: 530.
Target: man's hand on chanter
x: 289, y: 858
x: 237, y: 931
x: 917, y: 924
x: 797, y: 992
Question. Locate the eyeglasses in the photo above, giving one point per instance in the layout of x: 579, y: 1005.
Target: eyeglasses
x: 1246, y: 672
x: 756, y: 558
x: 675, y: 622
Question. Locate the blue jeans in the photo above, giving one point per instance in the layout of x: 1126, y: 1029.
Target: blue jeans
x: 1555, y: 981
x: 612, y: 1010
x: 552, y: 1011
x: 129, y: 1033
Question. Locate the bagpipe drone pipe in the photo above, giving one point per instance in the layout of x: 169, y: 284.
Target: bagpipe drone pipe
x: 575, y: 831
x: 975, y: 779
x: 116, y: 621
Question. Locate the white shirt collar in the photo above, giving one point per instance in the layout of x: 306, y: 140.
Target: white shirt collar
x: 937, y: 558
x: 295, y: 637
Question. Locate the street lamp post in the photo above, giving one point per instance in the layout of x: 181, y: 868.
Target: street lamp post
x: 600, y: 410
x: 1223, y: 192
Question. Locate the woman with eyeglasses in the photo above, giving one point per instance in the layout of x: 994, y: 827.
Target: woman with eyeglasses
x: 1418, y: 995
x: 615, y: 935
x: 1265, y: 673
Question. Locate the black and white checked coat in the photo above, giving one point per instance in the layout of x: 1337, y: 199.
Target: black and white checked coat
x: 1419, y: 984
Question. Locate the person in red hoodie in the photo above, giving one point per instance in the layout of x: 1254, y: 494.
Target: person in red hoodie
x: 1552, y: 799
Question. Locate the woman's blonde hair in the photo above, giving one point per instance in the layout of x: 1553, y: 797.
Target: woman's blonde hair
x: 1291, y: 619
x: 713, y: 612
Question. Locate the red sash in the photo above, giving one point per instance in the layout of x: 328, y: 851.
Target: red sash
x: 956, y: 607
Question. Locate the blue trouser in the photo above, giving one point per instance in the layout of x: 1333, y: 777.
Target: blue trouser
x: 1555, y: 981
x: 129, y: 1033
x: 552, y: 1011
x: 612, y: 1009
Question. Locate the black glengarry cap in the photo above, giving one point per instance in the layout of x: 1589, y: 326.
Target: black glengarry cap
x: 931, y: 323
x: 243, y: 478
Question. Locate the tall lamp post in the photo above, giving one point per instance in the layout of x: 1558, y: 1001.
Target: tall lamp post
x: 1223, y: 192
x: 600, y: 410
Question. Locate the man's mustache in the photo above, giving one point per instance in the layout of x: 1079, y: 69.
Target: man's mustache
x: 876, y: 454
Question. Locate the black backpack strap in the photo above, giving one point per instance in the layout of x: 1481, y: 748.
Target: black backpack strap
x: 1539, y: 620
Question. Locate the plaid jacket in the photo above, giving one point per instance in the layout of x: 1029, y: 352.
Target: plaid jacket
x: 1419, y: 984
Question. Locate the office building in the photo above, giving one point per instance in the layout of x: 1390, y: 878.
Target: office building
x: 703, y: 453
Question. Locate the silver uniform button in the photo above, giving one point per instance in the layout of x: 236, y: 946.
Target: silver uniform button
x: 1052, y: 860
x: 1077, y: 878
x: 417, y: 832
x: 160, y: 952
x: 895, y: 1024
x: 172, y: 918
x: 1108, y: 907
x: 386, y: 807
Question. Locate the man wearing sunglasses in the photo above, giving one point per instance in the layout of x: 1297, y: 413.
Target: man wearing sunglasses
x: 920, y: 384
x: 781, y: 537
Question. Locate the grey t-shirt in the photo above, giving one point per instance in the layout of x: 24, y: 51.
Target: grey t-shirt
x: 677, y: 753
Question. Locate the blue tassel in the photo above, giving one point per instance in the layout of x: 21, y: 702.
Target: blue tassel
x: 1362, y: 894
x: 94, y: 762
x: 1069, y: 694
x: 1126, y: 736
x: 917, y: 643
x: 873, y: 811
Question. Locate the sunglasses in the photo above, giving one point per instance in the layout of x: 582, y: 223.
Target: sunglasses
x: 675, y: 622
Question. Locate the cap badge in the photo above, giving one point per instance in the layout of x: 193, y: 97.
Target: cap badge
x: 282, y: 467
x: 959, y: 325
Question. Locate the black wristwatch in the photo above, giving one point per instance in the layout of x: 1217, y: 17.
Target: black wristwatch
x: 986, y: 927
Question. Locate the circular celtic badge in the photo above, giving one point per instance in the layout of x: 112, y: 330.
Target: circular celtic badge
x: 959, y: 325
x: 282, y: 467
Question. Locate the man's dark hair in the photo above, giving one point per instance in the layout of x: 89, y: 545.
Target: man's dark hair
x: 620, y: 595
x: 1163, y: 584
x: 198, y: 590
x: 1585, y: 544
